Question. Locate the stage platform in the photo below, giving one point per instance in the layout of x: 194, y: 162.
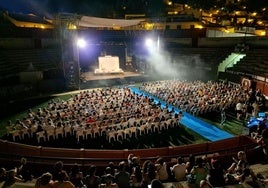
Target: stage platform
x: 92, y: 80
x: 88, y: 76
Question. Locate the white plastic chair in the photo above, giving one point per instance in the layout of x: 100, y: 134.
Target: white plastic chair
x: 41, y: 135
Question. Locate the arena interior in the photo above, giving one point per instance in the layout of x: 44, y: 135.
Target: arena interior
x: 133, y: 95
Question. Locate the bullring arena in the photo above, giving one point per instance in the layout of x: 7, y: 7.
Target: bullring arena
x: 164, y: 105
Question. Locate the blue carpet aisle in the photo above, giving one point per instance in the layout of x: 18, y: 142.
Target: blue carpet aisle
x: 203, y: 128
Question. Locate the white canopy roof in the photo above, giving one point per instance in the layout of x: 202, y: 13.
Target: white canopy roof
x: 87, y: 21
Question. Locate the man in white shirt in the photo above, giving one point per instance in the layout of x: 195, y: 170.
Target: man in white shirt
x: 179, y: 170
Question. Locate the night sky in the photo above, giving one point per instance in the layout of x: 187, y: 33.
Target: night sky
x: 111, y: 8
x: 49, y: 7
x: 99, y: 8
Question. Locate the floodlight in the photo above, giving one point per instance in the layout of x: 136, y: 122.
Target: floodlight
x: 81, y: 43
x: 149, y: 43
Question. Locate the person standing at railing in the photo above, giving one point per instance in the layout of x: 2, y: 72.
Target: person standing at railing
x: 223, y: 116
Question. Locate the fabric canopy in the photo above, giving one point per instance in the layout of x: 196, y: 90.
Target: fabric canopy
x: 87, y: 21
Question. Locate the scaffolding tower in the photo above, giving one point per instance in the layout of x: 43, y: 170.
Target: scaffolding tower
x: 66, y: 32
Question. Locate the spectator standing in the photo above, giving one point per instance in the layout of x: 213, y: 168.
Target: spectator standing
x: 223, y: 116
x: 239, y: 110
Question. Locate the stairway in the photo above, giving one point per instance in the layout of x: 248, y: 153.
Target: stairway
x: 230, y: 61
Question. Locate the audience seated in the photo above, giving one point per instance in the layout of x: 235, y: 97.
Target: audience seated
x: 198, y: 173
x: 161, y: 170
x: 3, y: 175
x: 91, y: 179
x: 62, y: 181
x: 99, y: 111
x: 58, y: 170
x: 179, y: 169
x: 44, y: 181
x: 239, y: 170
x: 216, y: 176
x: 109, y: 182
x: 196, y: 97
x: 148, y: 173
x: 122, y: 177
x: 156, y: 183
x: 136, y: 174
x: 76, y: 176
x: 23, y: 171
x: 204, y: 174
x: 11, y: 178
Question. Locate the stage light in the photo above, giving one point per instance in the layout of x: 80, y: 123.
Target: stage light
x: 152, y: 45
x: 149, y: 43
x: 81, y: 43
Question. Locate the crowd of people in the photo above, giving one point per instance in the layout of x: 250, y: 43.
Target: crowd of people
x: 119, y: 113
x: 195, y: 171
x: 197, y: 97
x: 116, y: 113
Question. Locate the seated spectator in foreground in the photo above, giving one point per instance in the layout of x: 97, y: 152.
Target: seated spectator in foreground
x: 161, y: 169
x: 190, y: 164
x: 11, y: 178
x: 76, y: 176
x: 216, y: 174
x: 58, y: 169
x: 44, y: 181
x: 109, y: 182
x: 3, y: 174
x: 239, y: 164
x: 92, y: 180
x: 112, y: 167
x: 239, y: 170
x: 199, y: 172
x: 148, y: 173
x: 205, y: 184
x: 62, y: 182
x: 156, y: 183
x: 136, y: 174
x: 107, y: 175
x: 122, y: 177
x: 179, y: 170
x: 24, y: 171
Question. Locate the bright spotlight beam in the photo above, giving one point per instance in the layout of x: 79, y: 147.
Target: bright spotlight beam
x: 149, y: 43
x: 81, y: 43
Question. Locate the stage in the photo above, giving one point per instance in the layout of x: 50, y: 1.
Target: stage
x: 92, y: 80
x: 88, y: 76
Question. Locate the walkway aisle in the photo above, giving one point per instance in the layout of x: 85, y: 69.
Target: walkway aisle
x: 203, y: 128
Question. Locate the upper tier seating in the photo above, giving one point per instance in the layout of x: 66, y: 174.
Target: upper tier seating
x: 12, y: 62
